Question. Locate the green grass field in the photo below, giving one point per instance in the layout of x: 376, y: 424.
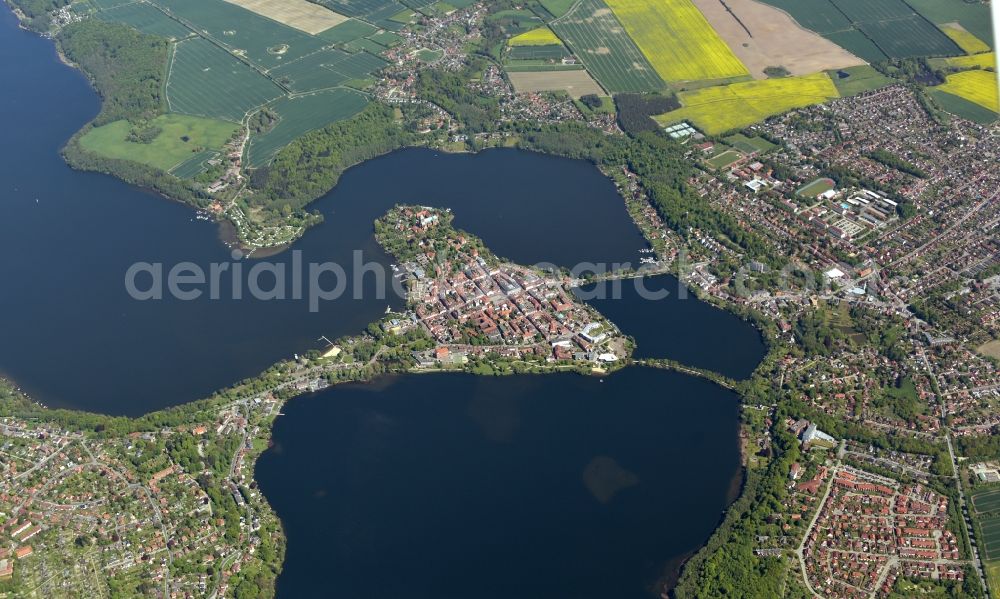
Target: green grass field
x: 814, y: 188
x: 719, y: 109
x: 750, y: 145
x: 302, y: 115
x: 986, y: 501
x: 206, y: 81
x: 990, y: 542
x: 859, y: 79
x: 168, y: 149
x: 993, y: 577
x: 723, y: 159
x: 596, y: 37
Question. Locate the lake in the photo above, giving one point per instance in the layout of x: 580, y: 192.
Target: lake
x: 423, y: 486
x: 73, y: 336
x: 547, y: 486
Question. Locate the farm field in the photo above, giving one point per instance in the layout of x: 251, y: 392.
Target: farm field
x: 168, y: 148
x: 762, y: 36
x: 301, y: 115
x: 961, y: 107
x: 909, y: 37
x: 194, y: 166
x: 873, y: 29
x: 537, y: 52
x: 817, y: 15
x: 541, y: 36
x: 264, y: 42
x: 677, y: 40
x: 326, y: 69
x: 207, y: 81
x: 557, y: 7
x: 986, y: 501
x: 987, y: 60
x: 145, y: 18
x: 979, y: 87
x: 856, y: 80
x: 969, y: 43
x: 973, y: 16
x: 347, y: 31
x: 300, y: 14
x: 380, y: 12
x: 993, y: 576
x: 596, y: 37
x: 991, y: 538
x: 574, y: 82
x: 719, y: 109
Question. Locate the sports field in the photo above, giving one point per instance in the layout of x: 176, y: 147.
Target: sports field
x: 300, y: 14
x: 147, y: 19
x: 986, y: 501
x: 596, y: 37
x: 301, y: 115
x: 180, y: 137
x: 979, y: 87
x: 969, y: 43
x: 205, y: 80
x: 723, y: 108
x: 750, y: 145
x: 814, y: 188
x: 724, y: 159
x: 541, y: 36
x: 677, y: 40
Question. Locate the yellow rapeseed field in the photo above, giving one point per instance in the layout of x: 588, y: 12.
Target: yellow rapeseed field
x: 981, y: 61
x: 677, y: 40
x: 722, y: 108
x: 542, y: 36
x: 969, y: 43
x: 975, y: 86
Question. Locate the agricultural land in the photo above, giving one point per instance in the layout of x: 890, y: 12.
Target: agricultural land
x: 762, y: 36
x: 677, y: 40
x: 724, y: 108
x: 977, y: 86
